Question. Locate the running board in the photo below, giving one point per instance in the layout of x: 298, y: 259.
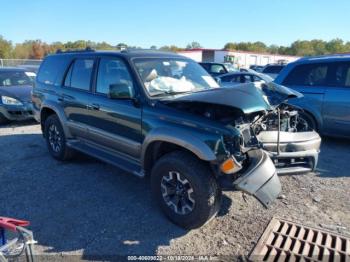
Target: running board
x: 111, y: 157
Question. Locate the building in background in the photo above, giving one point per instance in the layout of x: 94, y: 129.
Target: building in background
x: 239, y: 58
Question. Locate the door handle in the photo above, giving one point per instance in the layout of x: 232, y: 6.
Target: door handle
x: 93, y: 107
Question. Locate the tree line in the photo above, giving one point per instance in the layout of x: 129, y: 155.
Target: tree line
x: 37, y: 49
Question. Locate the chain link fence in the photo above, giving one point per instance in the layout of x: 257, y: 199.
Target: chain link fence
x: 29, y: 64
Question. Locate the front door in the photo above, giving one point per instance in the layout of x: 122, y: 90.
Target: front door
x: 116, y: 123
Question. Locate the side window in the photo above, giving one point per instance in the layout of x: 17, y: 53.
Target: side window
x: 217, y: 69
x: 308, y: 75
x: 342, y: 75
x: 236, y: 79
x: 79, y: 74
x: 246, y: 79
x: 52, y: 70
x: 112, y: 71
x: 226, y: 78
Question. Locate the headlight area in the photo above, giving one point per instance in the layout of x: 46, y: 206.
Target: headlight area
x: 6, y: 100
x: 233, y: 163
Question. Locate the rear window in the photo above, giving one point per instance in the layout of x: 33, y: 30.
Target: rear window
x: 273, y: 69
x: 308, y: 75
x: 52, y: 70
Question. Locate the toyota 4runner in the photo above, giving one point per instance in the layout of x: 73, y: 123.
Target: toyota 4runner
x: 161, y: 115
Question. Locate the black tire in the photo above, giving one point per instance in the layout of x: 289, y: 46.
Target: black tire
x: 307, y: 122
x: 206, y: 192
x: 3, y: 120
x: 55, y: 139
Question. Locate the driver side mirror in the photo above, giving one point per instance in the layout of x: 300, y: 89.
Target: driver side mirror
x: 120, y: 91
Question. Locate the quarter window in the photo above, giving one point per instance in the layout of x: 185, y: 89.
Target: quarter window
x: 79, y: 74
x: 112, y: 72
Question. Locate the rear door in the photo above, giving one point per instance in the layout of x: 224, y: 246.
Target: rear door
x: 336, y: 105
x: 311, y: 80
x: 76, y: 95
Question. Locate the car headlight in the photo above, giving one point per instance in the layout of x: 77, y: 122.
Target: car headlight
x: 6, y: 100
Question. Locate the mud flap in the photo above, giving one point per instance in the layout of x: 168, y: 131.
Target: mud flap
x: 260, y: 179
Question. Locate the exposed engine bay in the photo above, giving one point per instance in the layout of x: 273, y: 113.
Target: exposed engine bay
x: 284, y: 117
x: 290, y: 142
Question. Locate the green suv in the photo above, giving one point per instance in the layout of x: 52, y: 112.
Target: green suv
x: 159, y: 115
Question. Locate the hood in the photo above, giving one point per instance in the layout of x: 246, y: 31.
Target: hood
x: 249, y: 98
x: 21, y: 93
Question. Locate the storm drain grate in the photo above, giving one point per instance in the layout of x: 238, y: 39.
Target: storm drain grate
x: 284, y: 240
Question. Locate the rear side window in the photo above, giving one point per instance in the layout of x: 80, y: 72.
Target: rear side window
x: 308, y: 75
x: 52, y: 70
x: 273, y: 69
x: 79, y: 74
x: 342, y: 75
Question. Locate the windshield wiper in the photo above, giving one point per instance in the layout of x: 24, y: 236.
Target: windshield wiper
x: 170, y: 93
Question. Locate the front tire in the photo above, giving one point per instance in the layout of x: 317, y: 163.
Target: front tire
x: 56, y: 140
x: 306, y: 122
x: 185, y: 189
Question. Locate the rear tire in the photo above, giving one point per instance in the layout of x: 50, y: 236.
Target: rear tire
x: 55, y: 139
x: 200, y: 198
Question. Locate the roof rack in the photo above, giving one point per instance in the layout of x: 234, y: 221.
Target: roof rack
x: 87, y: 49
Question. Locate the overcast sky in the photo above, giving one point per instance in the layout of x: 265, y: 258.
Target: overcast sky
x: 178, y: 22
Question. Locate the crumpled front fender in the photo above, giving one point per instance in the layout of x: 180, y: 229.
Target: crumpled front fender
x: 260, y: 179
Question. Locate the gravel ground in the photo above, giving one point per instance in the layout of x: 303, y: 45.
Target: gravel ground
x: 90, y: 209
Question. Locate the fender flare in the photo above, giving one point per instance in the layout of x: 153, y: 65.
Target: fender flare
x: 60, y: 114
x: 180, y: 138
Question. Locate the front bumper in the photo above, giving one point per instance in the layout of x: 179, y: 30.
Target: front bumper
x: 259, y: 179
x: 17, y: 113
x: 298, y: 151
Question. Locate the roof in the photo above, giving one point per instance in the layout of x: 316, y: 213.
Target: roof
x: 332, y: 57
x: 125, y: 53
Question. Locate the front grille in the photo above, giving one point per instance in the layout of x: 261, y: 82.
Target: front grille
x: 284, y: 240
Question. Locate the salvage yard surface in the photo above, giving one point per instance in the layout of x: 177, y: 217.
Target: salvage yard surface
x: 90, y: 209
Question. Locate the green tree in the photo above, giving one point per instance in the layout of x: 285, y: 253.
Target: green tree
x: 5, y: 48
x: 193, y: 45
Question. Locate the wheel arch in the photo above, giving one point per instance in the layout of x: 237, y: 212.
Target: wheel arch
x: 46, y: 111
x: 163, y: 141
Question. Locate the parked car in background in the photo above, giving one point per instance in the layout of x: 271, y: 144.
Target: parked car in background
x: 242, y: 78
x: 15, y: 93
x: 257, y: 68
x: 272, y: 69
x: 325, y: 83
x: 216, y: 69
x: 159, y: 115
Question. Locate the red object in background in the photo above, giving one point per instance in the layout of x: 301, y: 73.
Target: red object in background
x: 11, y: 223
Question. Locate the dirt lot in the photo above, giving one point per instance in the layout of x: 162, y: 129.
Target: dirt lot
x: 90, y: 209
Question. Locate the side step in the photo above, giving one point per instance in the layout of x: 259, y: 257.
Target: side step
x: 106, y: 155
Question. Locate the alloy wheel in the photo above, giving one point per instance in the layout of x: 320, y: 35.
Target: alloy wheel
x: 177, y: 193
x: 55, y: 139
